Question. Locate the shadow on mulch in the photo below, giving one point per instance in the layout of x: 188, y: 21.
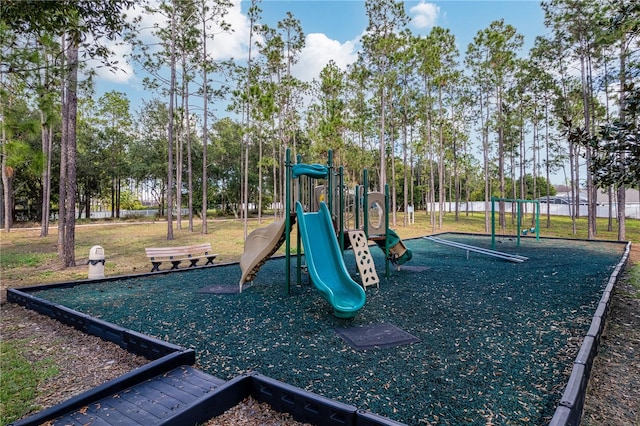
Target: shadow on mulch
x: 220, y: 289
x: 496, y: 339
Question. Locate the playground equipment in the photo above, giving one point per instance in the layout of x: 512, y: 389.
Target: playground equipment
x: 534, y: 230
x: 320, y: 214
x: 499, y: 254
x: 376, y: 225
x: 259, y: 246
x: 325, y: 264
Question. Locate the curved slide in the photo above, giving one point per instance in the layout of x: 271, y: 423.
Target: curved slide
x: 260, y: 244
x: 326, y: 266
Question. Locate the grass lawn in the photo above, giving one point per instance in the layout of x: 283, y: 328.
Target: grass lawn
x: 27, y: 259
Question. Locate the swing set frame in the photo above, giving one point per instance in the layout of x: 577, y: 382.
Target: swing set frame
x: 519, y: 203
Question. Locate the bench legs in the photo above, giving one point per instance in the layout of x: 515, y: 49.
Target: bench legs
x: 176, y: 263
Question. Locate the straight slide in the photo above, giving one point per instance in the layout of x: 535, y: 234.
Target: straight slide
x: 325, y: 263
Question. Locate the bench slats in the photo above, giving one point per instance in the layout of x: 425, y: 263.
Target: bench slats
x: 176, y: 255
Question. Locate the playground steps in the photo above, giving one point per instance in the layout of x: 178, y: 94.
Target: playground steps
x: 156, y: 401
x: 366, y: 267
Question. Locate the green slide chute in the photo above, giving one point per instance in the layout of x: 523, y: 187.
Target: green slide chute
x: 325, y: 263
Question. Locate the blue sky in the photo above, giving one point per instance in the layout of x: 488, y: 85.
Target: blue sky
x: 333, y: 29
x: 345, y: 20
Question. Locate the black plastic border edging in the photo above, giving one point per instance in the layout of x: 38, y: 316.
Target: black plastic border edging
x: 164, y: 356
x: 132, y: 341
x: 302, y: 405
x: 569, y: 410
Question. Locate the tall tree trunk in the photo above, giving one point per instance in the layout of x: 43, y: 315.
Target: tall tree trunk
x: 68, y: 250
x: 247, y: 137
x: 6, y: 184
x: 501, y: 182
x: 405, y: 178
x: 260, y: 180
x: 170, y: 127
x: 46, y: 136
x: 393, y: 179
x: 118, y: 196
x: 547, y: 164
x: 179, y: 166
x: 189, y: 154
x: 64, y: 110
x: 441, y: 159
x: 621, y: 193
x: 456, y: 179
x: 87, y: 204
x: 205, y: 134
x: 7, y: 174
x: 587, y: 127
x: 46, y: 182
x: 485, y: 161
x: 383, y: 147
x: 274, y: 169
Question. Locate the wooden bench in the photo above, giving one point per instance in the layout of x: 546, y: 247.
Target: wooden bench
x: 176, y: 255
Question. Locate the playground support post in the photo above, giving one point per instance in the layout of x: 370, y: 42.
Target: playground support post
x: 287, y: 262
x: 329, y: 184
x: 365, y: 202
x: 341, y: 209
x: 386, y: 230
x: 356, y: 206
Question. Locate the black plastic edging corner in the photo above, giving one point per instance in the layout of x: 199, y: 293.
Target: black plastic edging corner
x: 111, y: 387
x: 304, y: 406
x: 365, y: 418
x: 224, y: 397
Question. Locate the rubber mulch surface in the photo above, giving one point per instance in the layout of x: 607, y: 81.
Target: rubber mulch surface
x: 496, y: 339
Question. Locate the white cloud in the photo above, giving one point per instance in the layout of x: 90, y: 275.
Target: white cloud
x: 318, y: 51
x: 424, y: 14
x: 123, y: 71
x: 225, y: 45
x: 232, y: 44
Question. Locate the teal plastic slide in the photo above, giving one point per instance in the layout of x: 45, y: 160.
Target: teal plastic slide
x: 326, y: 266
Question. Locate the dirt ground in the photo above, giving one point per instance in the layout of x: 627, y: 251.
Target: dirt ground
x: 613, y: 396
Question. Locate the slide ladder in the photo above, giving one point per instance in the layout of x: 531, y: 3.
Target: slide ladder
x: 366, y: 267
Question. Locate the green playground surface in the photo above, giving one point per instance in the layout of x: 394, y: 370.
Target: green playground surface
x: 497, y: 339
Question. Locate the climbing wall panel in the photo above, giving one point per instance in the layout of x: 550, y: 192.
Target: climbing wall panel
x: 366, y: 267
